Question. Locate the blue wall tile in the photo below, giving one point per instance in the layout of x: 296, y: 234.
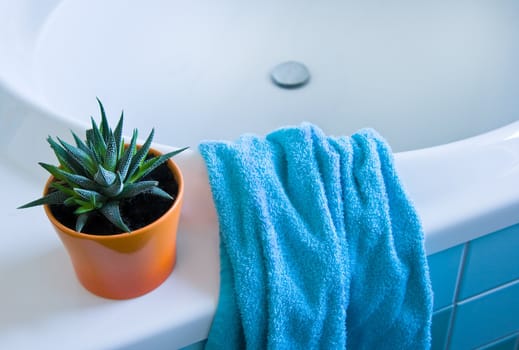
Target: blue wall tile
x: 485, y: 318
x: 440, y: 328
x: 491, y: 261
x: 506, y: 344
x: 443, y: 267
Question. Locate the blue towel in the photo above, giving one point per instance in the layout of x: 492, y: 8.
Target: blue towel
x: 320, y: 247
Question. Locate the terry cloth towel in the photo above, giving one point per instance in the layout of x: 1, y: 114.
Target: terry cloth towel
x: 320, y: 246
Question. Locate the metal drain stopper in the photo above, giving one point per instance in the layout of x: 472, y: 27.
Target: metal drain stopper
x: 290, y: 74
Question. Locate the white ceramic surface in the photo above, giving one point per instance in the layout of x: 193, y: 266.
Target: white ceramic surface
x: 422, y: 74
x: 409, y: 69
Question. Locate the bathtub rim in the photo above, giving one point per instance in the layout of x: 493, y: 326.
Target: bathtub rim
x: 415, y: 167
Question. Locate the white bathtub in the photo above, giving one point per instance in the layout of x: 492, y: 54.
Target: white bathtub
x: 429, y: 77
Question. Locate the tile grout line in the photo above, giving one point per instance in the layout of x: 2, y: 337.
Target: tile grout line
x: 442, y: 309
x: 461, y: 269
x: 489, y: 291
x: 494, y: 342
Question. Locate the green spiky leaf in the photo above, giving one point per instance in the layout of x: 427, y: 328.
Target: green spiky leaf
x: 112, y: 212
x: 151, y: 164
x: 81, y: 144
x: 81, y: 221
x: 104, y: 121
x: 118, y: 135
x: 126, y: 159
x: 98, y: 142
x: 72, y: 179
x: 51, y: 198
x: 114, y: 189
x: 110, y: 162
x: 63, y: 188
x: 140, y: 156
x: 84, y: 207
x: 93, y: 197
x: 71, y: 202
x: 157, y: 191
x: 90, y: 143
x: 80, y: 157
x: 105, y: 177
x: 134, y: 189
x: 65, y: 160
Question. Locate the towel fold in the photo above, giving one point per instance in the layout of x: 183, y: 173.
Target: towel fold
x: 320, y: 246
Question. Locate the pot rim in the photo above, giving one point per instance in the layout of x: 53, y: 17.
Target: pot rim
x: 175, y: 169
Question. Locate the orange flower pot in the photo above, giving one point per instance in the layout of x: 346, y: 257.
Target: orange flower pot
x: 125, y: 265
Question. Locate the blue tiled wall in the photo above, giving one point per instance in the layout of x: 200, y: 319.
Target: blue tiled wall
x: 444, y: 269
x: 440, y: 328
x: 491, y: 261
x: 476, y: 293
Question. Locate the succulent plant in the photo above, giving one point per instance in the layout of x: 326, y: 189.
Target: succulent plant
x: 96, y: 174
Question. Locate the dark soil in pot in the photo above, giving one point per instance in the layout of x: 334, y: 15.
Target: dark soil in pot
x: 136, y: 212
